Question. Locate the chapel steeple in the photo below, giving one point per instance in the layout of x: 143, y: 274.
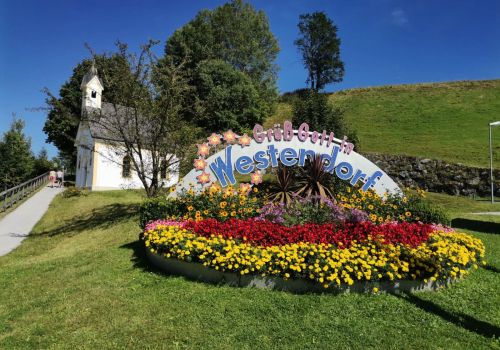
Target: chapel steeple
x: 92, y: 89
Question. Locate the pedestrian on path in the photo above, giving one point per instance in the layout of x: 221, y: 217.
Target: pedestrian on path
x: 52, y: 178
x: 60, y: 178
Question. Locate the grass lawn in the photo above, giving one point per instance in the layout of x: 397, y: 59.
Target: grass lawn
x: 446, y: 121
x: 81, y: 281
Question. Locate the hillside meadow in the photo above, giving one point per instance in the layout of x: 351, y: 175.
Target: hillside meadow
x: 81, y: 280
x: 447, y: 121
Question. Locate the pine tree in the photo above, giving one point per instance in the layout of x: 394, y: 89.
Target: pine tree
x: 16, y: 158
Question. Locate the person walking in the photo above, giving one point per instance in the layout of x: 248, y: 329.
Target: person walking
x: 60, y: 178
x: 52, y: 178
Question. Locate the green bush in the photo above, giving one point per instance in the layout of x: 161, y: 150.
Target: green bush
x: 74, y: 192
x: 429, y: 213
x: 159, y: 208
x: 410, y: 207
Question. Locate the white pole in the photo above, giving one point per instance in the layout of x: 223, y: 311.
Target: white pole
x: 491, y: 170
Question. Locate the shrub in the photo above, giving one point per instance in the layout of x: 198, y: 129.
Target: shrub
x: 74, y: 192
x: 429, y: 213
x: 222, y: 204
x: 283, y: 190
x: 410, y: 207
x: 159, y: 208
x: 213, y: 202
x: 314, y: 179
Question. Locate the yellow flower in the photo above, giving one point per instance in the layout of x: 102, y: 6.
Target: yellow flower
x: 375, y: 289
x: 233, y: 213
x: 190, y: 208
x: 222, y: 205
x: 408, y: 214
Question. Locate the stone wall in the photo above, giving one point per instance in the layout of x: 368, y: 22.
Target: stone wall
x: 436, y: 175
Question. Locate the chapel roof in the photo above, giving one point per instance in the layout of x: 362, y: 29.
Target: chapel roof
x: 103, y: 121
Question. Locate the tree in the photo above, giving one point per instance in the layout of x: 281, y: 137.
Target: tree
x: 238, y: 35
x: 146, y: 119
x: 226, y: 98
x: 320, y: 49
x: 16, y: 158
x: 313, y: 108
x: 42, y: 164
x: 64, y: 112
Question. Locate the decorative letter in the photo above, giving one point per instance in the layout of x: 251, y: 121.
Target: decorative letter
x: 341, y: 175
x: 371, y: 180
x: 287, y: 131
x: 273, y: 152
x: 288, y: 157
x: 244, y: 165
x: 303, y: 132
x: 258, y: 133
x: 261, y: 159
x: 220, y: 169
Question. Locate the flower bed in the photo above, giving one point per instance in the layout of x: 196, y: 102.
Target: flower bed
x: 325, y: 254
x: 356, y: 238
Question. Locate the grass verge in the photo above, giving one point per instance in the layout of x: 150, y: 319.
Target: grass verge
x: 81, y: 281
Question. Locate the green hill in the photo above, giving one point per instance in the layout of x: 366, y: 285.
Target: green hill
x: 446, y: 121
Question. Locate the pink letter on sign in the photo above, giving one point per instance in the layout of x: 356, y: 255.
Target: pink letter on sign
x: 258, y: 134
x: 287, y: 131
x: 303, y: 132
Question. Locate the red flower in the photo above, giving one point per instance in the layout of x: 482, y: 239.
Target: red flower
x: 265, y: 233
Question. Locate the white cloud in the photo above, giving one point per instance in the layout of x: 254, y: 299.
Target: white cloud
x: 399, y: 17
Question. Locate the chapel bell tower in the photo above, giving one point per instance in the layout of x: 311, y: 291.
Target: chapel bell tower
x: 92, y: 89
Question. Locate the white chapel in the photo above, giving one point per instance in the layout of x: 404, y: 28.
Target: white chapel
x: 99, y: 166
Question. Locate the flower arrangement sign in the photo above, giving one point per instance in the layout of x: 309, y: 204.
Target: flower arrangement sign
x: 224, y: 155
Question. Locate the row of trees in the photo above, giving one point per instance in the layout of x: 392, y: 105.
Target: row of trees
x: 218, y: 72
x: 17, y: 159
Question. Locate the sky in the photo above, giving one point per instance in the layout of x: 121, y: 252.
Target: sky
x: 382, y: 42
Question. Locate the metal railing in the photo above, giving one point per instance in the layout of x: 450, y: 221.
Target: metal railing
x: 13, y: 195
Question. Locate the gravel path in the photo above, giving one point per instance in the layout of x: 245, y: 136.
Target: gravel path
x: 17, y: 225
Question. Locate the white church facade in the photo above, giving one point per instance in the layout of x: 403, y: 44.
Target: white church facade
x: 99, y: 166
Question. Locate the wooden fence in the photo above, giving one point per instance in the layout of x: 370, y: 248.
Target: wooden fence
x: 13, y: 195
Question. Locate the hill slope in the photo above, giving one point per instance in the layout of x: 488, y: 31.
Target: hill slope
x: 446, y: 121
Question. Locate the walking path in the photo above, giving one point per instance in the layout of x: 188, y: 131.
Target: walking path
x: 488, y: 213
x: 16, y: 226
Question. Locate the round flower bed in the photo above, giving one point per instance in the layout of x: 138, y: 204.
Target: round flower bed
x: 329, y: 254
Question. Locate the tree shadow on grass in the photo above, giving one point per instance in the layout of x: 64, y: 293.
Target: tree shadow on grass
x: 459, y: 319
x: 139, y: 258
x: 476, y: 225
x: 491, y: 268
x: 102, y: 217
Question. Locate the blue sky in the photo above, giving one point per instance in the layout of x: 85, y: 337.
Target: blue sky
x: 383, y: 42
